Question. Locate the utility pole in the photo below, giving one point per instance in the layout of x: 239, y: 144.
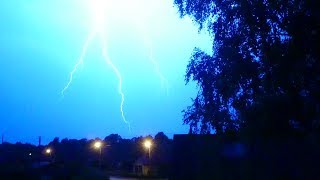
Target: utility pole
x: 39, y: 141
x: 100, y: 160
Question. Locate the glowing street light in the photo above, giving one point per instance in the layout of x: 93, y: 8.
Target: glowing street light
x: 48, y: 151
x: 98, y: 145
x: 147, y: 144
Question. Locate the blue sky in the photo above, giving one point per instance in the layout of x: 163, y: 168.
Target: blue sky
x: 41, y: 41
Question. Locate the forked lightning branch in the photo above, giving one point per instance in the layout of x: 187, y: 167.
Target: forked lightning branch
x: 98, y: 10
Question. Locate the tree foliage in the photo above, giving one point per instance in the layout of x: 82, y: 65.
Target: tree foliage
x: 264, y: 73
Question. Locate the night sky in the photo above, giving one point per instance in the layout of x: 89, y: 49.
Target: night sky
x: 41, y: 41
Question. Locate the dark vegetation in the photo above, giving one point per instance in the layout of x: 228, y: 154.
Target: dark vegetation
x: 260, y: 85
x: 264, y: 74
x: 78, y: 158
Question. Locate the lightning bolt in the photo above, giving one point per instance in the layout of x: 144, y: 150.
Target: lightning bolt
x: 98, y: 30
x: 117, y: 72
x: 98, y: 11
x: 154, y: 62
x: 80, y: 62
x: 138, y: 19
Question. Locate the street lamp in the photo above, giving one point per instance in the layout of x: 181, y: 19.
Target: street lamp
x: 98, y: 145
x: 147, y: 144
x: 49, y: 152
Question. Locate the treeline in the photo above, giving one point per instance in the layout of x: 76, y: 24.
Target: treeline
x: 116, y: 154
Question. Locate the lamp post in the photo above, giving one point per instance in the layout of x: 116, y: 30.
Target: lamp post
x: 147, y: 145
x: 49, y: 152
x: 98, y: 145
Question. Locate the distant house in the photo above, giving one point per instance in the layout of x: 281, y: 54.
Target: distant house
x: 144, y: 167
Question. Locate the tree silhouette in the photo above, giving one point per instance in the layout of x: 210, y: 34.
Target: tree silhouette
x: 113, y: 139
x: 264, y: 73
